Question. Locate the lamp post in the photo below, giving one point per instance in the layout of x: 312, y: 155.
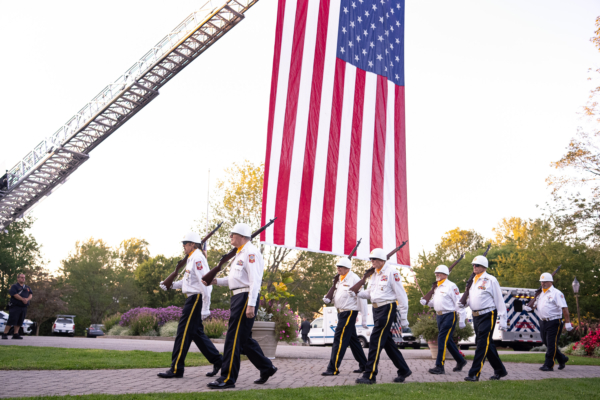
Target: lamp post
x: 576, y: 291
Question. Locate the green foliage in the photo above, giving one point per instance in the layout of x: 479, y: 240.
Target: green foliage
x: 214, y: 328
x: 143, y: 323
x: 48, y: 299
x: 116, y: 330
x: 426, y: 326
x: 169, y: 329
x: 286, y: 321
x: 149, y: 273
x: 111, y: 321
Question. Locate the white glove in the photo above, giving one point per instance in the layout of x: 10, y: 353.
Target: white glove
x: 423, y: 302
x: 527, y: 308
x: 205, y: 314
x: 503, y: 326
x: 569, y: 327
x: 162, y: 286
x: 351, y: 293
x: 461, y: 305
x: 326, y: 300
x: 461, y: 324
x: 404, y: 323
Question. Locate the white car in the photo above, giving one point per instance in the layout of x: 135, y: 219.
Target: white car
x: 64, y: 324
x: 26, y: 328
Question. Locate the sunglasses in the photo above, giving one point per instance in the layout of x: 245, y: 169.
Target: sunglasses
x: 184, y: 243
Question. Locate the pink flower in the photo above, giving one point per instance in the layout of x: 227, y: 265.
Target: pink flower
x: 280, y: 338
x: 278, y: 310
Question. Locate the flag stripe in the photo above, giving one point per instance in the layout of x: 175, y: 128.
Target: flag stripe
x: 400, y: 175
x: 376, y: 237
x: 389, y: 223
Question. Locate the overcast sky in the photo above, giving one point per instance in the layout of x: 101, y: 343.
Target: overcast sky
x: 492, y: 94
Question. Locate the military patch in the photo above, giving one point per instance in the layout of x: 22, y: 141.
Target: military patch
x: 240, y: 262
x: 561, y: 296
x: 456, y: 291
x: 199, y: 265
x: 384, y: 278
x: 396, y: 277
x: 251, y: 258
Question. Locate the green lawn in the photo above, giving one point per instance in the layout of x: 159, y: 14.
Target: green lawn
x: 538, y: 358
x: 547, y: 389
x: 53, y: 358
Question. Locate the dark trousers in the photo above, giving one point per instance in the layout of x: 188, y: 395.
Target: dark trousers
x: 484, y: 329
x: 381, y: 338
x: 191, y: 317
x: 305, y: 338
x: 239, y: 335
x: 550, y: 331
x: 206, y: 347
x: 345, y: 334
x: 446, y: 326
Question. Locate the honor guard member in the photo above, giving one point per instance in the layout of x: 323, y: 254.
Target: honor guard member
x: 445, y: 303
x: 244, y: 280
x: 20, y: 296
x: 553, y: 312
x: 348, y: 307
x: 196, y: 307
x: 386, y: 293
x: 486, y: 301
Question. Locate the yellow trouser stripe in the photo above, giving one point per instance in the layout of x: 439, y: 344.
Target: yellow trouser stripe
x: 235, y: 338
x: 487, y: 345
x: 447, y: 336
x: 340, y: 342
x: 555, y: 341
x: 185, y: 332
x: 379, y: 342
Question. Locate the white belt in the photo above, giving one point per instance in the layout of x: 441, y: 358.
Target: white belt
x: 483, y: 312
x: 383, y: 303
x: 443, y: 312
x: 551, y: 318
x: 242, y: 290
x: 190, y: 294
x: 341, y: 310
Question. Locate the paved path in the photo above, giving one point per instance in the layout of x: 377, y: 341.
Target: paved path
x: 291, y: 374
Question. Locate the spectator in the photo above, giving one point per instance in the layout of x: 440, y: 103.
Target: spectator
x: 20, y: 296
x: 305, y: 328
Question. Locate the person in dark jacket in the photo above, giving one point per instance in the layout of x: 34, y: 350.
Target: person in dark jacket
x: 20, y: 296
x: 304, y: 329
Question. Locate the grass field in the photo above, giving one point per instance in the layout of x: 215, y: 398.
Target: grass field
x: 55, y: 358
x: 538, y: 358
x: 547, y: 389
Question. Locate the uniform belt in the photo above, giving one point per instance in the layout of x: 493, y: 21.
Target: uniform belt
x: 241, y: 290
x: 483, y: 312
x: 190, y: 294
x: 443, y: 312
x: 383, y: 303
x: 551, y: 318
x: 341, y: 310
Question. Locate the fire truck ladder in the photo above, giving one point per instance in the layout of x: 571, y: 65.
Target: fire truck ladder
x: 51, y: 162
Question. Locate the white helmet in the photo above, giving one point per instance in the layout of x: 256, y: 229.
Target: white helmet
x: 480, y: 260
x: 442, y: 269
x: 242, y: 229
x: 546, y: 277
x: 191, y: 237
x: 378, y: 254
x: 344, y: 262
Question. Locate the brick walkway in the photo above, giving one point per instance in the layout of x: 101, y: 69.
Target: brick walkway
x: 291, y: 374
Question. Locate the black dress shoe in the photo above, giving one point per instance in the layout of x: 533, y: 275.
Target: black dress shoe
x: 406, y: 375
x: 328, y: 373
x: 359, y: 371
x: 562, y: 365
x: 17, y: 336
x: 498, y: 375
x: 170, y: 374
x: 216, y: 369
x: 472, y: 378
x: 4, y: 336
x: 265, y: 377
x: 546, y: 369
x: 459, y: 367
x: 366, y: 381
x: 220, y: 385
x: 437, y: 371
x: 399, y: 379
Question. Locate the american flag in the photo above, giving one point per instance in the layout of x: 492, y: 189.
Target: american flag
x: 335, y: 168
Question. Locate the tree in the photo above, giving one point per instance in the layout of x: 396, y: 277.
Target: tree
x: 129, y: 255
x: 19, y: 251
x: 458, y: 241
x: 47, y: 301
x: 149, y: 274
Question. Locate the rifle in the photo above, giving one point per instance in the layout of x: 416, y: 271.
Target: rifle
x: 539, y: 291
x: 169, y: 281
x: 336, y: 279
x: 210, y: 275
x: 429, y: 294
x: 371, y: 270
x: 465, y: 296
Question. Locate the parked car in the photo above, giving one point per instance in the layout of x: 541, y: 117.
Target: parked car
x: 64, y: 324
x: 26, y: 329
x: 95, y: 330
x: 409, y: 340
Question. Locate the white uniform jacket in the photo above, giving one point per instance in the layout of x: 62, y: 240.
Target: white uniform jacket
x: 486, y: 294
x: 445, y: 299
x: 195, y: 268
x: 343, y: 300
x: 386, y: 285
x: 245, y: 271
x: 550, y: 304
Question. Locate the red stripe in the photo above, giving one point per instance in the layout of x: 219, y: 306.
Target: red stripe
x: 376, y: 235
x: 276, y: 57
x: 403, y: 256
x: 354, y: 167
x: 333, y: 153
x: 289, y: 126
x: 313, y: 127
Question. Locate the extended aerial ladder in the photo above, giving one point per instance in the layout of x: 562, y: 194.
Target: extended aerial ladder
x: 51, y: 162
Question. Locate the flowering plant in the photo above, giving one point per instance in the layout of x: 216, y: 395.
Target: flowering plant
x: 162, y: 315
x: 220, y: 314
x: 590, y: 342
x: 286, y: 321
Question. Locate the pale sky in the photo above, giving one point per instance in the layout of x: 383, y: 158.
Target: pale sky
x: 492, y: 94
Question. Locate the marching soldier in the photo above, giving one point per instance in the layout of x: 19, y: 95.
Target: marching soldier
x: 386, y: 294
x: 553, y: 312
x: 487, y: 303
x: 245, y: 279
x: 196, y: 308
x: 445, y: 302
x: 348, y: 307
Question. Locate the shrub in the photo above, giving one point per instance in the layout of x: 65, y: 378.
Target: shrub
x: 111, y: 321
x: 426, y: 326
x: 143, y: 323
x: 286, y: 321
x: 214, y: 328
x: 578, y: 350
x: 591, y: 341
x: 116, y: 330
x: 541, y: 348
x: 597, y: 352
x: 262, y: 315
x: 221, y: 314
x: 162, y: 315
x: 151, y: 332
x: 169, y: 329
x: 125, y: 332
x: 568, y: 349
